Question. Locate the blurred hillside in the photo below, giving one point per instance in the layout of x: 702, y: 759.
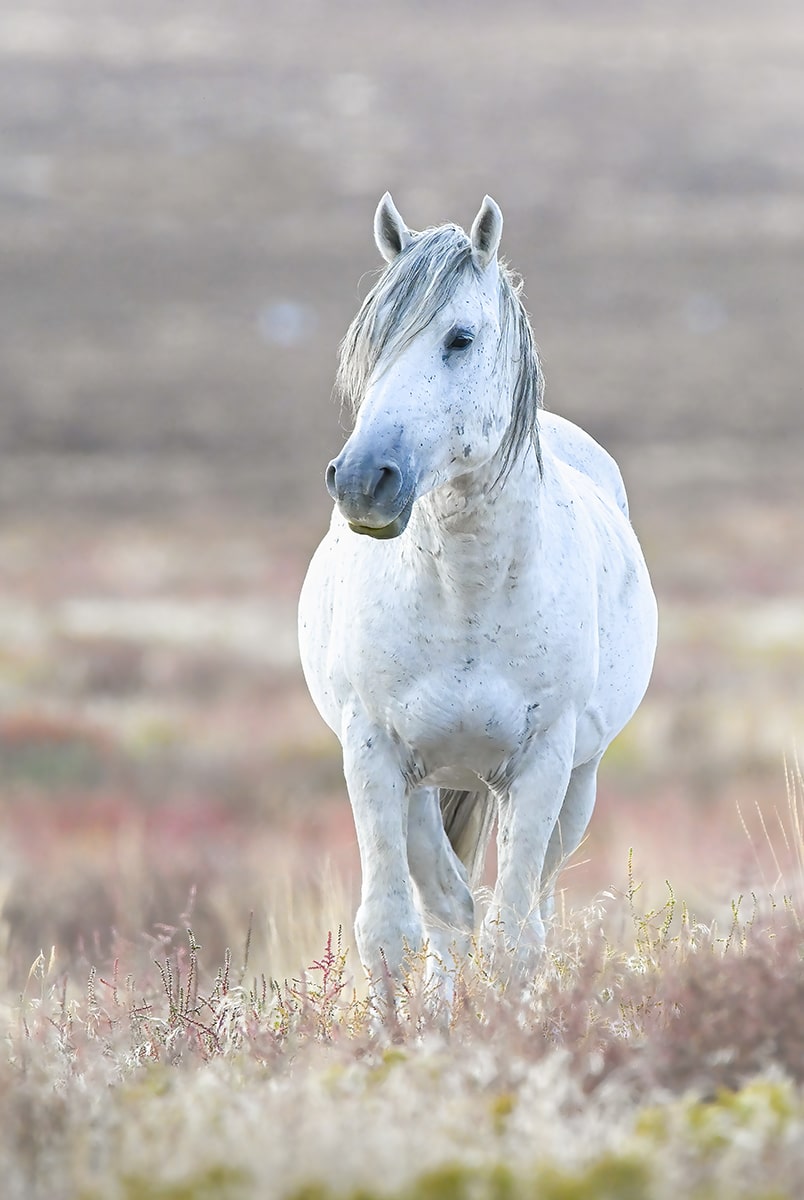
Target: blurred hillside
x: 185, y: 208
x: 186, y: 198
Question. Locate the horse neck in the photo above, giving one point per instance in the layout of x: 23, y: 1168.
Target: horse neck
x: 472, y: 531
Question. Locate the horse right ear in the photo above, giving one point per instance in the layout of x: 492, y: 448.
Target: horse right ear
x: 390, y: 232
x: 486, y: 233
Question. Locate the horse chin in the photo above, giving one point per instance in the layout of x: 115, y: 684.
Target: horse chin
x: 383, y: 532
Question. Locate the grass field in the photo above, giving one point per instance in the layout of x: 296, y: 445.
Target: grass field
x: 182, y: 1011
x: 653, y: 1057
x: 185, y: 226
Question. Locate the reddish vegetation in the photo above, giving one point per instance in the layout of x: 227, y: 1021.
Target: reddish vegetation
x: 176, y: 762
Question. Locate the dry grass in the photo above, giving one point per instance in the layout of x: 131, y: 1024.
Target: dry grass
x: 654, y: 1056
x: 154, y: 783
x: 173, y: 185
x: 195, y: 1033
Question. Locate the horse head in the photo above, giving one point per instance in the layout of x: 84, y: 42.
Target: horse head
x: 426, y: 367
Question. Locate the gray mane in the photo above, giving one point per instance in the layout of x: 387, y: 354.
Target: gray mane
x: 405, y: 299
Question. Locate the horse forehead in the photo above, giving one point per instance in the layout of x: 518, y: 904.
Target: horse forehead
x: 470, y: 307
x: 473, y: 292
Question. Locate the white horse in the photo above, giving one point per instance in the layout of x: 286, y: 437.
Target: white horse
x: 478, y: 623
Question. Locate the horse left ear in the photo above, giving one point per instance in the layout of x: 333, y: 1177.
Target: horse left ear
x: 390, y: 232
x: 486, y: 233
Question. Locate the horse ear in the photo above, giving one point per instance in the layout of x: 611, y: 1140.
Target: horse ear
x: 486, y: 233
x: 390, y: 232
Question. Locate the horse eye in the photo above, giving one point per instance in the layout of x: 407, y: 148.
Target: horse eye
x: 459, y: 339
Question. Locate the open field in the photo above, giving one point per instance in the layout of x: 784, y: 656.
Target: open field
x: 656, y: 1058
x: 185, y: 223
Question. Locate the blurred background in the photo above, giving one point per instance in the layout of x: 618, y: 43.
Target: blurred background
x: 186, y: 198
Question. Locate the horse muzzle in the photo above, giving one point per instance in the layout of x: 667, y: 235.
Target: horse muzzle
x: 371, y: 492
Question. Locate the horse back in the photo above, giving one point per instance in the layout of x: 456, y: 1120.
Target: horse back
x: 573, y: 446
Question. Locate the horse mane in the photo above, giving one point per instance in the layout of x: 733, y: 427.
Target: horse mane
x: 405, y: 299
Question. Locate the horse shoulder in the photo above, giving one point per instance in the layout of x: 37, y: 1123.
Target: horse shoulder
x: 317, y: 619
x: 353, y: 622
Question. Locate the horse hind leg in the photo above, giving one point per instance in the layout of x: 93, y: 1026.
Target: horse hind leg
x: 468, y: 822
x: 442, y: 884
x: 573, y: 820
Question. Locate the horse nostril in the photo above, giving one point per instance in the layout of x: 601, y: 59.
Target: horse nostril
x: 363, y: 486
x: 388, y: 484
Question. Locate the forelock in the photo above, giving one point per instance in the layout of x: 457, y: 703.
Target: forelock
x: 404, y: 300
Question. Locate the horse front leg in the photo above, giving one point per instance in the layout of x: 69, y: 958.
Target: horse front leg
x: 513, y: 929
x: 388, y: 925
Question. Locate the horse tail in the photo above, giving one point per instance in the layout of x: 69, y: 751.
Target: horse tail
x: 468, y: 821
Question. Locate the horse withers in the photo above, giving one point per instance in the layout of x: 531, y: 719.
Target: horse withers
x: 478, y: 623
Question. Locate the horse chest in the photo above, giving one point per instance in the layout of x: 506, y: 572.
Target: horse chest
x: 468, y: 697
